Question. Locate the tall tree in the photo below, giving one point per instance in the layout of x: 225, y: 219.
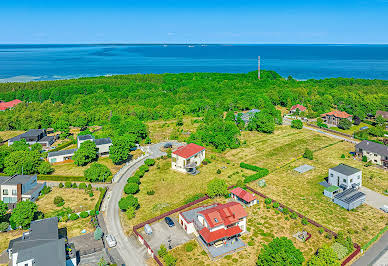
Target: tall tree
x: 23, y: 213
x: 86, y: 153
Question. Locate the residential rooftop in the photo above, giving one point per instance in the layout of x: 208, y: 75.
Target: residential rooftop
x: 374, y: 147
x: 349, y: 195
x: 62, y: 152
x: 345, y: 169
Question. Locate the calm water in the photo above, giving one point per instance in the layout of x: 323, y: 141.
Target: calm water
x: 44, y: 62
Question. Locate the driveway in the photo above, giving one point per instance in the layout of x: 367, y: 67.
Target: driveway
x: 374, y: 199
x: 377, y: 255
x: 161, y: 233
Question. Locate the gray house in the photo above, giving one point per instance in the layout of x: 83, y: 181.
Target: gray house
x: 60, y: 156
x: 374, y: 152
x: 19, y: 188
x: 349, y: 199
x: 34, y: 136
x: 345, y: 176
x: 101, y: 144
x: 42, y: 245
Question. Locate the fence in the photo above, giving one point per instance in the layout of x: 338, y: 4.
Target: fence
x: 152, y: 220
x: 351, y: 256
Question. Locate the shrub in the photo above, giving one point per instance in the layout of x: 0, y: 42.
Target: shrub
x: 97, y: 173
x: 98, y: 233
x: 364, y: 158
x: 189, y: 247
x: 149, y: 162
x: 304, y: 221
x: 321, y: 230
x: 144, y: 168
x: 91, y: 194
x: 150, y: 192
x: 74, y: 185
x: 4, y: 226
x: 296, y: 124
x: 251, y: 243
x: 61, y: 204
x: 217, y: 187
x: 82, y: 186
x: 162, y: 251
x: 68, y: 184
x: 128, y: 201
x: 286, y: 211
x: 58, y: 200
x: 218, y: 171
x: 130, y: 212
x: 340, y: 250
x: 64, y: 218
x: 343, y: 156
x: 267, y: 201
x: 276, y: 205
x: 134, y: 179
x: 73, y: 216
x: 293, y: 215
x: 92, y: 213
x: 45, y: 190
x: 84, y: 214
x: 308, y: 154
x: 90, y: 186
x: 131, y: 188
x: 60, y: 185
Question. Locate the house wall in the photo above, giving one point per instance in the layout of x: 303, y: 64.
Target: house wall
x: 188, y: 227
x: 60, y: 158
x: 371, y: 156
x: 243, y: 224
x: 104, y: 148
x: 11, y: 197
x: 179, y: 163
x: 350, y: 206
x: 334, y: 177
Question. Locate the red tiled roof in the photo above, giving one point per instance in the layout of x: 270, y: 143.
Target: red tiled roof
x: 225, y: 214
x: 219, y: 234
x: 338, y: 114
x: 242, y: 194
x: 298, y: 106
x: 6, y: 105
x: 188, y: 150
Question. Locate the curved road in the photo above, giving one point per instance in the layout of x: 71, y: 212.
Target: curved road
x: 131, y: 253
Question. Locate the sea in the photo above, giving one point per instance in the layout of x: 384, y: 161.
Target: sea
x: 22, y: 63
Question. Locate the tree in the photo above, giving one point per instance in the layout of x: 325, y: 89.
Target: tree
x: 380, y: 120
x: 344, y: 124
x: 179, y: 119
x: 281, y: 251
x: 356, y: 120
x: 149, y: 162
x: 325, y: 257
x: 296, y: 124
x: 3, y: 209
x: 230, y: 116
x: 4, y: 226
x: 263, y: 122
x: 131, y: 188
x: 86, y: 153
x: 127, y: 202
x: 169, y: 260
x: 23, y: 213
x: 58, y: 201
x: 36, y: 147
x: 130, y: 212
x: 162, y: 251
x: 20, y: 145
x: 217, y: 187
x: 308, y: 154
x: 119, y: 151
x: 45, y: 168
x: 19, y: 162
x: 62, y: 125
x: 97, y: 173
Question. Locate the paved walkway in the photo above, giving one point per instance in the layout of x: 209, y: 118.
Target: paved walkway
x: 56, y: 183
x: 374, y: 199
x: 377, y: 255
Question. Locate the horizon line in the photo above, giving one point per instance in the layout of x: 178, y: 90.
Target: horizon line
x: 194, y: 43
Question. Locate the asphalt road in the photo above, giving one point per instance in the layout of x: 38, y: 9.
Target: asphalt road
x: 377, y: 255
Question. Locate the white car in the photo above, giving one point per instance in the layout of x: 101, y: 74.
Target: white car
x: 111, y: 241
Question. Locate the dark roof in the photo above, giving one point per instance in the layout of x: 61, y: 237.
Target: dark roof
x: 373, y: 147
x: 47, y: 139
x: 85, y: 137
x: 350, y: 195
x: 62, y: 152
x: 14, y: 180
x: 41, y: 243
x: 29, y: 133
x: 38, y: 186
x: 345, y: 169
x: 103, y: 141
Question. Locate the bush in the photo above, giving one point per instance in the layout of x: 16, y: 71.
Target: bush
x: 58, y: 200
x: 97, y: 173
x: 251, y: 243
x: 84, y: 214
x: 308, y: 154
x: 217, y: 187
x: 131, y: 188
x: 218, y: 171
x: 304, y: 221
x: 61, y: 204
x: 82, y: 186
x: 74, y: 185
x: 321, y: 230
x: 344, y: 124
x: 60, y: 185
x: 296, y: 124
x: 4, y: 226
x: 364, y: 159
x: 68, y: 184
x: 343, y: 156
x: 92, y: 213
x: 293, y: 215
x: 134, y: 179
x: 149, y: 162
x: 267, y: 201
x: 64, y: 218
x: 73, y: 217
x: 45, y: 168
x: 45, y: 190
x: 340, y: 250
x: 144, y: 168
x: 128, y: 201
x: 276, y: 205
x: 130, y: 212
x: 286, y: 211
x: 91, y: 194
x: 162, y: 252
x: 189, y: 247
x: 150, y: 192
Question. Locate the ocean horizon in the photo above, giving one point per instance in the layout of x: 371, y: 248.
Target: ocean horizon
x: 34, y: 62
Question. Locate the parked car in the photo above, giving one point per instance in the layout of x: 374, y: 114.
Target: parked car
x: 111, y: 241
x: 169, y: 221
x: 168, y: 146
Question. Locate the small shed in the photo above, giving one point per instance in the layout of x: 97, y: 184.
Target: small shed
x: 349, y: 198
x: 331, y: 191
x: 243, y: 196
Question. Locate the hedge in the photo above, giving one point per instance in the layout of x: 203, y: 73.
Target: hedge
x: 61, y: 178
x: 64, y: 145
x: 261, y: 172
x: 102, y: 194
x: 364, y: 247
x: 250, y: 167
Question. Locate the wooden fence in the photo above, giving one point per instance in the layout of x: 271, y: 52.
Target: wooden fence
x: 351, y: 256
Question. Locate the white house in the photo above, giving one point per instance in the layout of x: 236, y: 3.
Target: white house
x: 186, y: 158
x: 345, y: 177
x: 42, y: 245
x: 242, y: 195
x: 214, y: 224
x: 60, y: 156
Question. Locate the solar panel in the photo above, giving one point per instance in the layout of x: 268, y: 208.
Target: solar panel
x: 354, y: 197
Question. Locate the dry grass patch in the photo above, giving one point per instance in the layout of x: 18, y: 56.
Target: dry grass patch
x: 5, y: 237
x: 4, y: 135
x: 70, y: 169
x: 74, y: 228
x: 77, y: 199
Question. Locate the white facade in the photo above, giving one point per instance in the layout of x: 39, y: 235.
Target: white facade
x: 347, y: 181
x: 189, y: 227
x: 103, y: 148
x: 180, y: 164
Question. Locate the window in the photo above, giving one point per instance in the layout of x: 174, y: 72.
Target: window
x: 215, y: 219
x: 344, y: 180
x: 14, y: 192
x: 331, y: 175
x: 351, y: 180
x: 5, y: 191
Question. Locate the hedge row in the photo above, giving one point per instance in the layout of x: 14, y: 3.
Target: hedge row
x: 261, y: 172
x: 64, y: 145
x: 61, y: 178
x: 102, y: 194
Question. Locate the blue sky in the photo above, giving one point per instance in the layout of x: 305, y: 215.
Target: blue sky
x: 194, y: 21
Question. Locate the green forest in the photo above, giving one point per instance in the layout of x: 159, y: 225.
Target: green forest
x: 96, y: 101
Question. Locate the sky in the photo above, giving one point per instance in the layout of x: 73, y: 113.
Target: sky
x: 194, y: 21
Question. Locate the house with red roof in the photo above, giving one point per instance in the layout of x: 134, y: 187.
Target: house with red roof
x: 334, y: 117
x: 8, y: 105
x: 242, y: 195
x: 216, y: 225
x: 296, y: 107
x: 186, y: 158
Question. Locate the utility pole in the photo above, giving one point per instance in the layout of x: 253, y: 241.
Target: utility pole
x: 258, y: 68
